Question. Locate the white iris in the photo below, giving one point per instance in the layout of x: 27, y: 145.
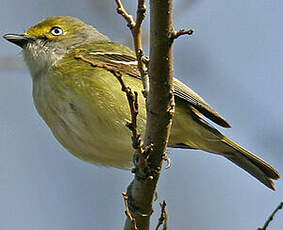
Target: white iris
x: 56, y: 31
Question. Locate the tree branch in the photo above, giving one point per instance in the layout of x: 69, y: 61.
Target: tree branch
x: 280, y: 206
x: 160, y: 105
x: 136, y: 29
x: 163, y: 217
x: 128, y: 213
x: 175, y: 34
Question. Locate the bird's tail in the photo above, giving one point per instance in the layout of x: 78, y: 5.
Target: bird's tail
x: 255, y: 166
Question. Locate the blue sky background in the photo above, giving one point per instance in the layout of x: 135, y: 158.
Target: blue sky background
x: 234, y: 61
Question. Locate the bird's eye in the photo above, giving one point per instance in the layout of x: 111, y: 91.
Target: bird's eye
x: 56, y: 31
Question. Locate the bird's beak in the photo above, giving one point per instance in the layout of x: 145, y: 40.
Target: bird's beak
x: 18, y: 39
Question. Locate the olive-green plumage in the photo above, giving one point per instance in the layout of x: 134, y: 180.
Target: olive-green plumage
x: 87, y: 111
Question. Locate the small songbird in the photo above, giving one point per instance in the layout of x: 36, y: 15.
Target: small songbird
x: 86, y: 110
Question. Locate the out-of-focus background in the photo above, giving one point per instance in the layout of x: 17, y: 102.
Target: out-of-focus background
x: 234, y: 61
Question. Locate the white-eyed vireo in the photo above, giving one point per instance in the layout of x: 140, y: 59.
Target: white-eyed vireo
x: 87, y: 111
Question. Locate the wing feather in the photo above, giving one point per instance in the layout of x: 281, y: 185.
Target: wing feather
x: 121, y: 57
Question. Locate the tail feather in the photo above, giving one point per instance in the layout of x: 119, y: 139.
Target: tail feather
x: 251, y: 168
x: 257, y: 167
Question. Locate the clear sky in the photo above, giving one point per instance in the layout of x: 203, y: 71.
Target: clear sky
x: 234, y: 61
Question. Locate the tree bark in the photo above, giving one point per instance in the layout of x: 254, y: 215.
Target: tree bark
x: 160, y: 109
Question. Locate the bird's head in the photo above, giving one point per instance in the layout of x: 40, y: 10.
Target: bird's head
x: 48, y: 41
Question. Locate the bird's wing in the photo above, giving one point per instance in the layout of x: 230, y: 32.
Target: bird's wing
x: 124, y: 60
x: 188, y: 95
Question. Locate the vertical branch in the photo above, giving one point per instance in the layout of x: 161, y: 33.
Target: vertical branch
x: 160, y: 105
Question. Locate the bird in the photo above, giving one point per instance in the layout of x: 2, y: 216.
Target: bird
x: 86, y: 110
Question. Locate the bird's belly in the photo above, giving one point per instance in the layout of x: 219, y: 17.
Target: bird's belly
x: 90, y: 139
x: 85, y: 132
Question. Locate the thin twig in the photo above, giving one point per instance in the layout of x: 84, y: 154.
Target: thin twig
x: 175, y: 34
x: 141, y: 169
x: 141, y: 166
x: 115, y: 72
x: 136, y: 29
x: 280, y: 206
x: 131, y: 96
x: 141, y: 13
x: 129, y: 18
x: 127, y: 211
x: 163, y: 219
